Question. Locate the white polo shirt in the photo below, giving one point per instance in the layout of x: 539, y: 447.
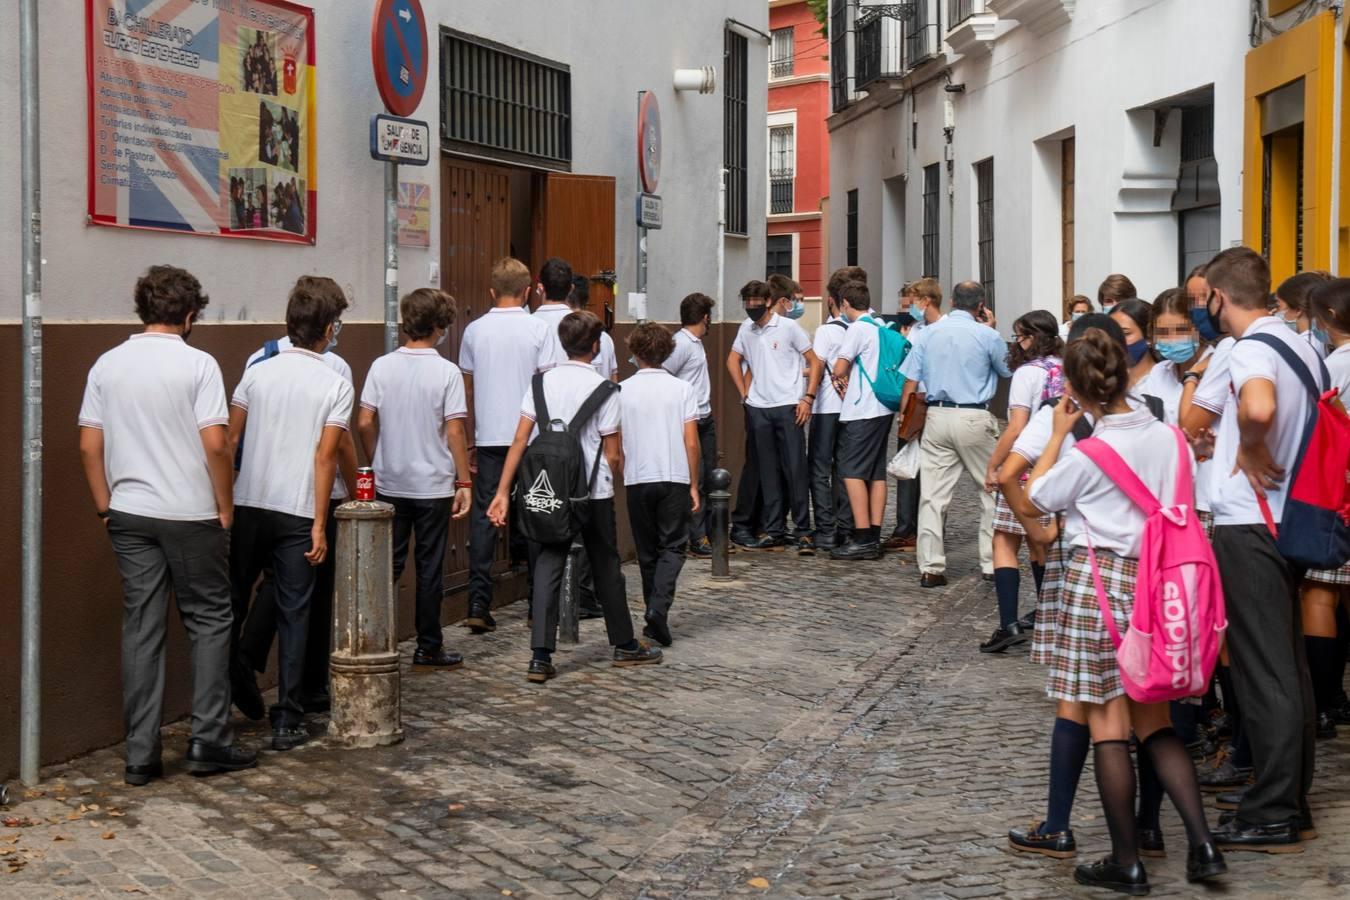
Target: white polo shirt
x: 862, y: 345
x: 151, y: 396
x: 566, y: 387
x: 773, y: 353
x: 655, y: 408
x: 606, y: 362
x: 829, y: 338
x: 1231, y: 497
x: 415, y: 392
x: 502, y: 349
x: 334, y: 362
x: 689, y: 363
x: 290, y: 399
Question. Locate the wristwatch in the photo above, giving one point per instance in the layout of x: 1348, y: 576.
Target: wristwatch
x: 1190, y: 376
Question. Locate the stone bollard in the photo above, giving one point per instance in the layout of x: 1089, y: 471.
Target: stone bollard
x: 363, y: 669
x: 569, y: 599
x: 719, y: 525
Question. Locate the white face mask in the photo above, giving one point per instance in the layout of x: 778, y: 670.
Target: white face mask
x: 445, y: 336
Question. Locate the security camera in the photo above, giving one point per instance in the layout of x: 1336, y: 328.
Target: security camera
x: 954, y: 88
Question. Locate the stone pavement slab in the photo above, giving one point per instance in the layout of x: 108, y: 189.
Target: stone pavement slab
x: 819, y: 729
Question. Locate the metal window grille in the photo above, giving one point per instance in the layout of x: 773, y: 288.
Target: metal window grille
x: 842, y: 16
x: 984, y: 206
x: 779, y: 251
x: 1197, y: 133
x: 509, y: 104
x: 782, y: 170
x: 923, y: 36
x: 930, y: 221
x: 958, y: 11
x: 851, y: 248
x: 781, y: 49
x: 735, y: 134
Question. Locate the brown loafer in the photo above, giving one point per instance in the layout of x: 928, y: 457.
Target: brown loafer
x: 932, y: 580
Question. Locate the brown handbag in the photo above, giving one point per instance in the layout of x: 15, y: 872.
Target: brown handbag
x: 913, y: 418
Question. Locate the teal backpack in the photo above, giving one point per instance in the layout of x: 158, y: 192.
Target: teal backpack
x: 888, y: 385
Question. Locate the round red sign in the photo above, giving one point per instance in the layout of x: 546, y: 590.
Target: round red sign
x: 649, y: 142
x: 398, y: 42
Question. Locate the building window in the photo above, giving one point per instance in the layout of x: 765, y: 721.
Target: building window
x: 735, y: 137
x: 984, y: 208
x: 842, y: 16
x: 780, y: 52
x: 930, y: 221
x: 1196, y: 201
x: 1066, y: 200
x: 958, y: 11
x: 923, y: 32
x: 782, y: 169
x: 779, y: 248
x: 502, y: 103
x: 851, y: 245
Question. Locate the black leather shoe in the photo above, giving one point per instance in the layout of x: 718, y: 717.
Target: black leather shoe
x: 139, y: 776
x: 1106, y: 873
x: 1150, y: 843
x: 438, y: 660
x: 1326, y: 727
x: 701, y: 549
x: 1004, y: 636
x: 644, y: 655
x: 540, y: 671
x: 1028, y: 622
x: 658, y: 629
x: 1281, y: 837
x: 288, y: 737
x: 1224, y: 777
x: 1203, y: 862
x: 765, y: 542
x: 856, y: 550
x: 742, y: 537
x: 244, y: 691
x: 932, y: 580
x: 203, y: 759
x: 480, y: 619
x: 1032, y: 839
x: 1230, y: 800
x: 806, y: 545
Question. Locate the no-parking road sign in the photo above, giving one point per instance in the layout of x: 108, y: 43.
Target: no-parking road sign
x: 399, y: 51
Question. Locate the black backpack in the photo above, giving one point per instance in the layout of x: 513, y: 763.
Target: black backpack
x: 1082, y: 429
x: 553, y: 485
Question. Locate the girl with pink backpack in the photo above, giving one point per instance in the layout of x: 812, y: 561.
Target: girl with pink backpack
x: 1102, y: 486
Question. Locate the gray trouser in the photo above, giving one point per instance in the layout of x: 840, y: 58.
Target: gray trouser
x: 191, y: 559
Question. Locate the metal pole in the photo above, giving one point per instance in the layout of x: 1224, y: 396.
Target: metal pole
x: 569, y: 629
x: 719, y: 504
x: 721, y: 242
x: 30, y: 707
x: 390, y: 257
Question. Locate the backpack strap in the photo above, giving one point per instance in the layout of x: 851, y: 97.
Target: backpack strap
x: 270, y: 349
x: 540, y: 404
x: 589, y: 408
x: 1155, y: 406
x: 1120, y: 473
x: 1295, y: 362
x: 1103, y: 602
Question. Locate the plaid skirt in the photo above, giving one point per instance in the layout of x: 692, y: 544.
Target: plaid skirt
x: 1082, y: 662
x: 1337, y: 577
x: 1006, y: 521
x: 1048, y: 604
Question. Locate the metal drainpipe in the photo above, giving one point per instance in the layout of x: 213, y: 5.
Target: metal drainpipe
x: 30, y: 709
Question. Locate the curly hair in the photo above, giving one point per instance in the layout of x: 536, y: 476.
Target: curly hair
x: 651, y: 343
x: 167, y: 295
x: 1097, y: 368
x: 424, y: 310
x: 315, y: 303
x: 1043, y: 330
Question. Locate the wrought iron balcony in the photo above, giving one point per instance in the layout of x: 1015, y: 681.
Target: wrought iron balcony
x: 923, y: 34
x: 780, y: 193
x: 959, y: 10
x: 880, y: 47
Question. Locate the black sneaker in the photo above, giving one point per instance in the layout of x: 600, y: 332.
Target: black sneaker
x: 1281, y: 837
x: 1107, y: 873
x: 644, y: 655
x: 288, y: 737
x: 806, y: 545
x: 203, y: 759
x: 1032, y: 839
x: 1203, y: 862
x: 701, y: 549
x: 657, y: 628
x: 857, y: 550
x: 1004, y: 636
x: 480, y: 619
x: 1150, y: 843
x: 1326, y: 727
x: 438, y: 660
x: 540, y: 671
x: 139, y: 776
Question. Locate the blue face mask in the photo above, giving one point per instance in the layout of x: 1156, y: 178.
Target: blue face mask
x: 797, y: 311
x: 1320, y: 335
x: 1076, y: 316
x: 1137, y: 351
x: 1204, y: 324
x: 1177, y: 351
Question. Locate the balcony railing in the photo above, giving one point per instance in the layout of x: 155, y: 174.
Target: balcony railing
x: 923, y: 36
x: 780, y: 194
x: 958, y: 11
x: 880, y: 48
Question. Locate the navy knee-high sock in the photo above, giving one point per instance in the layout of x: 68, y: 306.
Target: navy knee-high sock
x: 1069, y: 744
x: 1007, y: 582
x: 1038, y: 573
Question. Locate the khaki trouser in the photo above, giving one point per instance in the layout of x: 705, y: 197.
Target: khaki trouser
x: 953, y: 438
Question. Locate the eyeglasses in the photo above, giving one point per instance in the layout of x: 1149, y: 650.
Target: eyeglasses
x: 1022, y: 337
x: 337, y: 327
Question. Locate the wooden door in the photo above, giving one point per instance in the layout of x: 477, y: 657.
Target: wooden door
x: 574, y: 219
x: 475, y: 233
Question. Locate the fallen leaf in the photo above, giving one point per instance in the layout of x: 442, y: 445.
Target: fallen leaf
x: 93, y: 824
x: 116, y: 814
x: 10, y: 839
x: 8, y: 852
x: 455, y: 807
x: 93, y: 807
x: 108, y: 835
x: 131, y: 889
x: 73, y: 817
x: 506, y: 893
x: 761, y: 883
x: 312, y: 868
x: 60, y: 837
x: 84, y: 808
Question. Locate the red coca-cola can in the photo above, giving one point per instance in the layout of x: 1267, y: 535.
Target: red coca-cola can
x: 365, y: 483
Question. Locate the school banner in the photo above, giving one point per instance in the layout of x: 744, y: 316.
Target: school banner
x: 202, y: 117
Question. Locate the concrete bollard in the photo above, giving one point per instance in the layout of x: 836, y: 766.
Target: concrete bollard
x: 569, y: 624
x: 363, y: 669
x: 719, y: 524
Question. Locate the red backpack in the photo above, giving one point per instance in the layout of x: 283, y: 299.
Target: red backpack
x: 1314, y: 532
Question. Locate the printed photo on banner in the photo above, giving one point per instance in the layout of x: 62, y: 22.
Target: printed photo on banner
x: 258, y: 61
x: 414, y: 214
x: 278, y: 135
x: 248, y: 199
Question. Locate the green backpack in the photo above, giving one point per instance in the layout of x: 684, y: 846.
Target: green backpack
x: 888, y: 384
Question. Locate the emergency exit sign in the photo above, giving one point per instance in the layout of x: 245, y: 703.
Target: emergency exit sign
x: 398, y: 140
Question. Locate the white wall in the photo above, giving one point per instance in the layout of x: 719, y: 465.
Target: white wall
x: 613, y: 48
x: 1082, y: 79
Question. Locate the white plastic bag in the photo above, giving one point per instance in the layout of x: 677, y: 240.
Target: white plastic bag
x: 905, y: 464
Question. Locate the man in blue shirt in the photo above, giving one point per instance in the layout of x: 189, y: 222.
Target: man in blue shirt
x: 959, y: 361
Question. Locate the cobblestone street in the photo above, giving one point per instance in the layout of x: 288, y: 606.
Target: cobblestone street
x: 818, y: 729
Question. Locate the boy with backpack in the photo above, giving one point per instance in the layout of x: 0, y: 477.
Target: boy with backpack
x: 869, y: 364
x: 660, y: 470
x: 567, y: 451
x: 829, y: 502
x: 412, y: 428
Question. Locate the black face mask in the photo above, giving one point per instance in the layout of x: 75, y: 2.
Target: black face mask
x: 755, y: 313
x: 1212, y: 320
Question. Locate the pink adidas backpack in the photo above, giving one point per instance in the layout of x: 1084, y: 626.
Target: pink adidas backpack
x: 1178, y: 619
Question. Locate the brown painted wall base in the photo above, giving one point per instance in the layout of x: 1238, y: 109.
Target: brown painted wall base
x: 81, y: 594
